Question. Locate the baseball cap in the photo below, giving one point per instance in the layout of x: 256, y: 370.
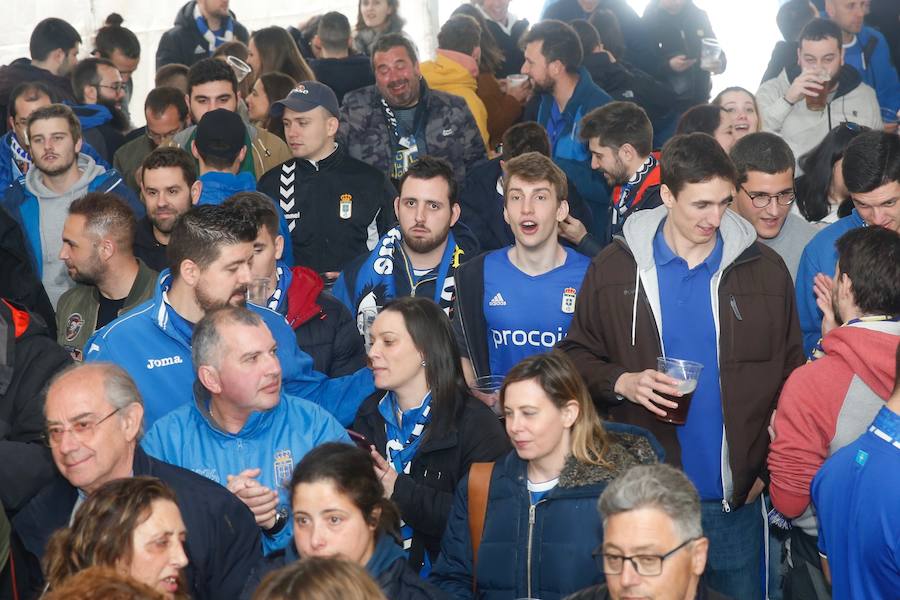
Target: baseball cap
x: 220, y: 133
x: 305, y: 97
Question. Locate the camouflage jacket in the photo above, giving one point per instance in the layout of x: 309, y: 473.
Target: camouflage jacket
x: 450, y: 129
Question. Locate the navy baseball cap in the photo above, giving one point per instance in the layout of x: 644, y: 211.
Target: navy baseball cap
x: 220, y: 133
x: 305, y: 97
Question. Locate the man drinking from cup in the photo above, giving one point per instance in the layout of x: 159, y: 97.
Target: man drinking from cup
x: 820, y: 92
x: 688, y: 280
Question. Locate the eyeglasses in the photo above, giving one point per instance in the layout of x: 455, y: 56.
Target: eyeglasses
x: 762, y: 199
x: 648, y: 565
x: 116, y: 87
x: 83, y: 430
x: 159, y: 138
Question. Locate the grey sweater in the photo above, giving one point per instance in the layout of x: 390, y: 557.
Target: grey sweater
x: 54, y: 208
x: 791, y: 240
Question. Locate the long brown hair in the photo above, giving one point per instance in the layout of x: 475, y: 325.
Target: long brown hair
x: 102, y: 583
x: 278, y: 52
x: 555, y: 373
x: 101, y: 533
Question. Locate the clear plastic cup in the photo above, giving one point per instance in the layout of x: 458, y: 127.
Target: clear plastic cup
x: 364, y: 319
x: 487, y: 389
x: 820, y: 100
x: 710, y: 54
x: 515, y: 80
x: 258, y: 291
x: 687, y: 373
x: 240, y: 68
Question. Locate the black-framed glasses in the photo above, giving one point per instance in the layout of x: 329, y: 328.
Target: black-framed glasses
x: 83, y: 430
x: 116, y: 87
x: 648, y: 565
x: 762, y: 199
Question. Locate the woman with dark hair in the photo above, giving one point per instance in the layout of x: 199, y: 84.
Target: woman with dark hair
x: 374, y: 18
x: 822, y: 196
x: 425, y: 427
x: 339, y: 480
x: 541, y: 524
x: 269, y: 88
x: 273, y: 49
x: 132, y: 525
x: 710, y: 119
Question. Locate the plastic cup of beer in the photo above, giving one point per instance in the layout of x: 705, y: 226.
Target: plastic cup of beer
x: 710, y: 54
x: 258, y: 291
x: 818, y: 101
x: 515, y: 80
x: 687, y: 372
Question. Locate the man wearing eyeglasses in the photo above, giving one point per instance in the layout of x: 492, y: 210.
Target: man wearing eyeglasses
x: 653, y: 543
x: 100, y: 91
x: 765, y: 194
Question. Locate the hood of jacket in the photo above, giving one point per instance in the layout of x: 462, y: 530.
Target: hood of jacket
x: 91, y: 115
x: 218, y: 186
x: 627, y: 448
x: 868, y: 349
x: 304, y: 290
x: 451, y: 69
x: 387, y: 551
x: 848, y: 79
x: 88, y: 168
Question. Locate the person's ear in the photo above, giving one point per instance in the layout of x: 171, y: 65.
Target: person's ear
x: 455, y: 211
x: 279, y: 246
x: 209, y: 378
x: 196, y: 191
x: 332, y: 124
x: 194, y: 149
x: 476, y: 54
x: 241, y: 155
x: 667, y: 196
x: 699, y: 552
x: 562, y: 211
x: 397, y: 208
x: 189, y: 272
x: 106, y: 248
x: 374, y: 518
x: 132, y: 419
x: 570, y: 413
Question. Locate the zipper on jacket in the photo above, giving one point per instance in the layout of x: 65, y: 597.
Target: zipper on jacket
x: 531, y: 511
x: 734, y: 308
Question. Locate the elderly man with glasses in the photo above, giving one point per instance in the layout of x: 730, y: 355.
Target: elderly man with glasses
x: 765, y: 195
x: 94, y: 416
x: 653, y: 543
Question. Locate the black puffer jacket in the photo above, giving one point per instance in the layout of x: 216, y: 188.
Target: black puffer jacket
x: 20, y: 71
x: 426, y: 494
x: 18, y: 281
x: 183, y: 43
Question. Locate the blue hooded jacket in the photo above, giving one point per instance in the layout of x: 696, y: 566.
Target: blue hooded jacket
x: 9, y: 170
x: 218, y: 187
x: 153, y: 344
x: 819, y: 256
x: 273, y: 441
x: 875, y: 67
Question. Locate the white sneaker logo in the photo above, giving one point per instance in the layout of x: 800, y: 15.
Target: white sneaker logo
x: 497, y: 300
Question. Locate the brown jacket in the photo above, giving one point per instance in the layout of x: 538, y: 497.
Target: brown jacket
x: 503, y: 111
x: 759, y: 338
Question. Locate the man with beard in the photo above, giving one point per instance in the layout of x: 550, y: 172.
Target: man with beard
x: 829, y: 402
x: 169, y: 187
x: 210, y: 252
x: 53, y: 47
x: 419, y: 257
x: 399, y: 119
x: 496, y: 325
x: 563, y: 93
x: 97, y: 250
x: 100, y: 91
x: 336, y: 206
x: 620, y: 138
x: 40, y: 200
x: 201, y: 26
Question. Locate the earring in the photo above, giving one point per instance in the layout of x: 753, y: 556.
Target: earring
x: 423, y: 363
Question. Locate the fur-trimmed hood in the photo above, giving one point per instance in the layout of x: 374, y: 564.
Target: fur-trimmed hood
x: 625, y: 451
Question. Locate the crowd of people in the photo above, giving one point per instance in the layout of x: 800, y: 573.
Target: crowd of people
x: 537, y: 318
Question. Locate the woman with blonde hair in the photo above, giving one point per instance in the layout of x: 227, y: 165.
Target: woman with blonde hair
x: 741, y: 105
x: 540, y: 520
x: 319, y: 579
x: 132, y: 525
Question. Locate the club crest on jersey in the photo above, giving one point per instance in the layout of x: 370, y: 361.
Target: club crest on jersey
x: 568, y: 300
x: 73, y: 326
x: 284, y: 466
x: 346, y: 206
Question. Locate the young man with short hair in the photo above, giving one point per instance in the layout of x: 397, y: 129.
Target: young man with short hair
x: 564, y: 93
x: 97, y: 250
x: 210, y: 253
x: 519, y: 300
x: 688, y: 280
x: 40, y: 200
x: 212, y: 84
x: 765, y: 194
x: 336, y: 67
x: 335, y: 206
x: 169, y: 187
x: 783, y: 101
x: 324, y: 327
x: 53, y: 47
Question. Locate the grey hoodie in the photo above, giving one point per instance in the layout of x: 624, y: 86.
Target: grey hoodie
x: 639, y: 230
x: 54, y: 208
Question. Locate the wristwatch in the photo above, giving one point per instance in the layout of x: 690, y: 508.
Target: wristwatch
x: 281, y: 519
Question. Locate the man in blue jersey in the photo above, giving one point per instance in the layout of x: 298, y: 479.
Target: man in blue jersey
x: 241, y: 429
x: 519, y: 300
x: 871, y: 169
x: 856, y: 494
x: 210, y: 251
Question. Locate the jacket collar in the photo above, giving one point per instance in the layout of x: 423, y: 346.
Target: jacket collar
x: 257, y: 422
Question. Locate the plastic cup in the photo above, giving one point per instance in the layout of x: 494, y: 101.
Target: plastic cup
x: 364, y: 319
x: 818, y: 101
x: 687, y: 373
x: 240, y: 68
x: 710, y: 54
x: 515, y: 80
x: 258, y: 291
x: 487, y: 389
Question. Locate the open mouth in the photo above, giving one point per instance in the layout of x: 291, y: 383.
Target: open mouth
x: 170, y: 584
x: 528, y: 226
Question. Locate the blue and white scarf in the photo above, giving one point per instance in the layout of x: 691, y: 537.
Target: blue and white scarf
x: 214, y: 38
x: 20, y: 155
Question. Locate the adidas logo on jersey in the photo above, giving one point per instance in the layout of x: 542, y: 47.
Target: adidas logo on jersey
x: 497, y: 300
